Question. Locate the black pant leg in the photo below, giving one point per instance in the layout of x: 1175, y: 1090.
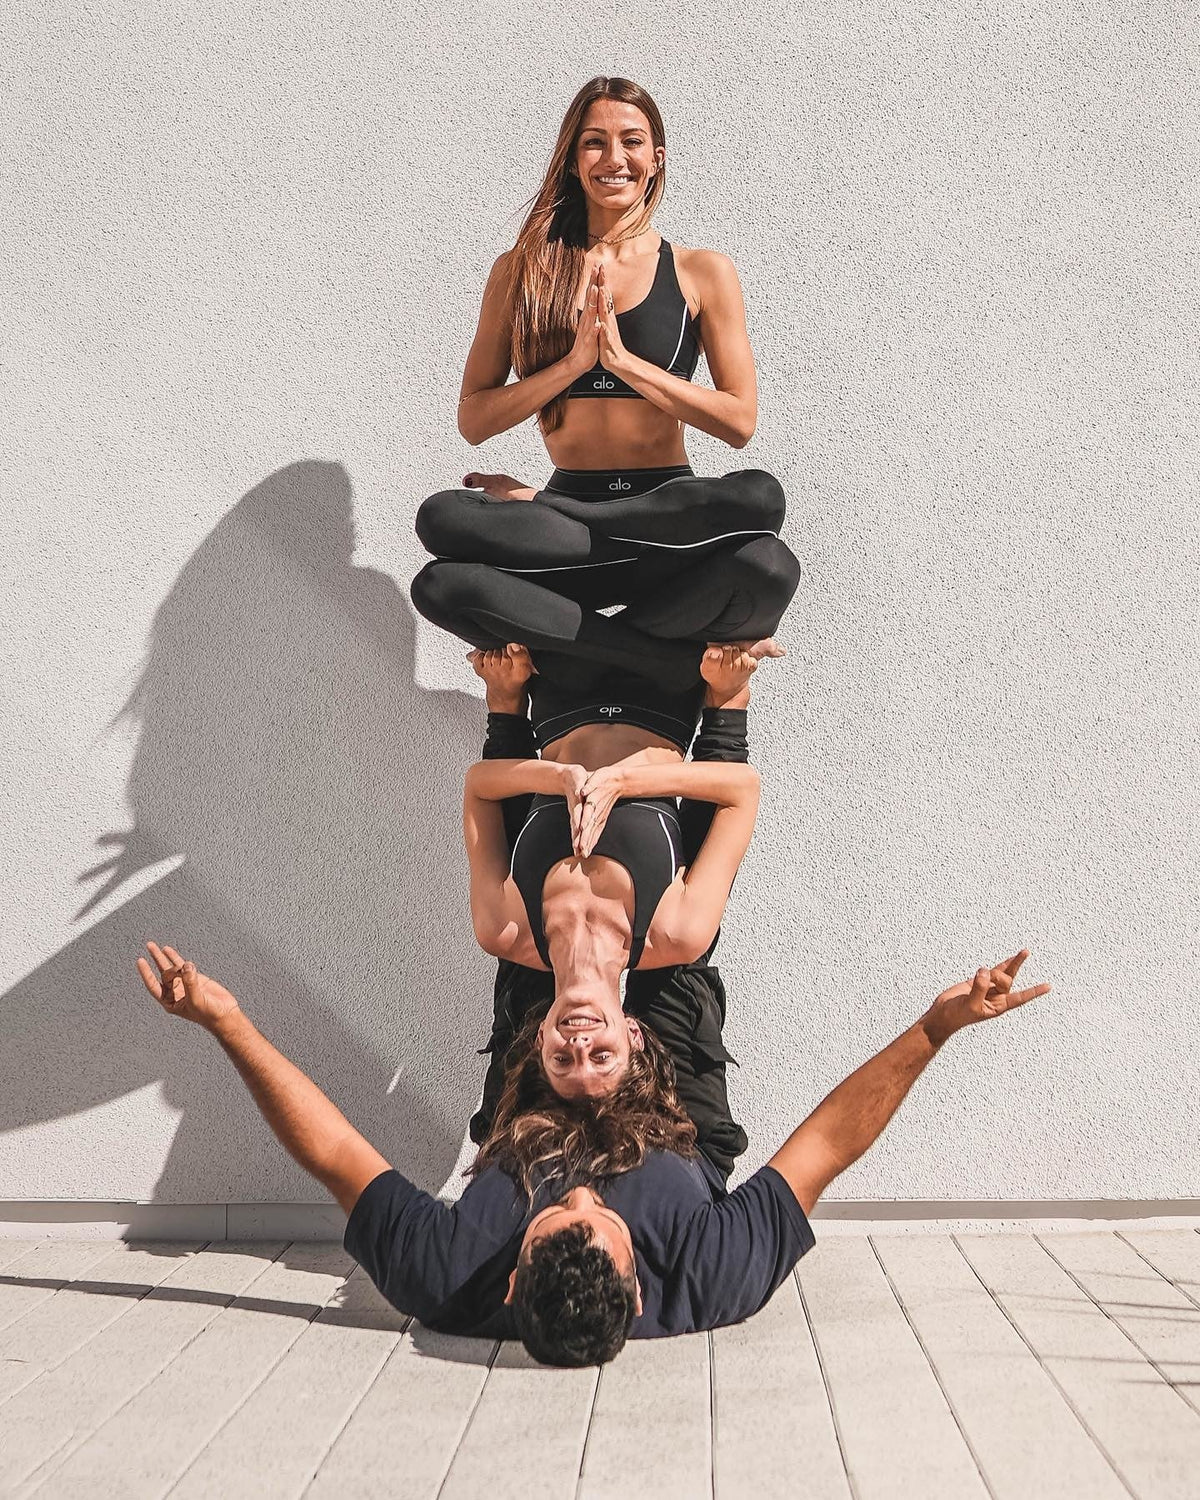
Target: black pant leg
x: 488, y: 608
x: 685, y: 1008
x: 469, y: 526
x: 690, y: 514
x: 731, y: 594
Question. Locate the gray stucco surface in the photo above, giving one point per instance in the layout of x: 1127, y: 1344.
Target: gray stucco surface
x: 244, y: 248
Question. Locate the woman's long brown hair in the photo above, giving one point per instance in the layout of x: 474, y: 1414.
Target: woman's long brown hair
x: 546, y: 263
x: 535, y: 1132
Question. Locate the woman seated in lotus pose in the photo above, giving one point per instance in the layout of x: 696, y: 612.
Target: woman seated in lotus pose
x: 604, y: 323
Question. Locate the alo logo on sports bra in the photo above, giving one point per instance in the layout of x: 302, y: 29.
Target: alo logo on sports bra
x: 660, y: 329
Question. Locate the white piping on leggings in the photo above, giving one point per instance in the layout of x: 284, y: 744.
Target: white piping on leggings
x: 684, y: 546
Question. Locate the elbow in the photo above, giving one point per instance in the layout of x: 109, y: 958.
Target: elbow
x: 471, y: 431
x: 692, y: 941
x: 472, y: 423
x: 496, y: 941
x: 749, y: 791
x: 741, y: 433
x: 742, y: 424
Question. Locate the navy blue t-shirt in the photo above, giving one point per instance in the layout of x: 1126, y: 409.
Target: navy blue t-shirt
x: 704, y: 1257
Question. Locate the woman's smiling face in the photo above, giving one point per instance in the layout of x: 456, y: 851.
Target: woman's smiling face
x: 615, y: 156
x: 585, y: 1043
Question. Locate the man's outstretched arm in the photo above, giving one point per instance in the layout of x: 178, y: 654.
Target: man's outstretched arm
x: 309, y: 1125
x: 856, y: 1113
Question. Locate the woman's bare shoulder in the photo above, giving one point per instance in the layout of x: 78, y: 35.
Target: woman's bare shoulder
x: 703, y: 263
x: 704, y: 273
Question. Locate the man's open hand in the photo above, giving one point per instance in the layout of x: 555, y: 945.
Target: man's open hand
x: 988, y: 995
x: 182, y: 990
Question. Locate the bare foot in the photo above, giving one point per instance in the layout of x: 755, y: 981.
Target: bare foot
x: 768, y: 647
x: 499, y: 486
x: 521, y: 659
x: 505, y: 675
x: 727, y: 667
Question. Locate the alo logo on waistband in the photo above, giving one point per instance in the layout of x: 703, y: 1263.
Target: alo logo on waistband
x: 604, y: 384
x: 611, y: 711
x: 620, y: 484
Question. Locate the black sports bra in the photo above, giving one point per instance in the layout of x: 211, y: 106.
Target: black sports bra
x: 642, y: 835
x: 660, y: 329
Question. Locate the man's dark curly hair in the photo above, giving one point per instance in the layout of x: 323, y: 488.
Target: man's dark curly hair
x: 572, y: 1305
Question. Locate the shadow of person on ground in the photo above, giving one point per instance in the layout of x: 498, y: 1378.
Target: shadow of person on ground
x: 314, y: 792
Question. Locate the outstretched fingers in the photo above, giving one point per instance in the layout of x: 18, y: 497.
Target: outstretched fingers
x: 161, y: 985
x: 150, y: 979
x: 1011, y: 966
x: 1021, y: 997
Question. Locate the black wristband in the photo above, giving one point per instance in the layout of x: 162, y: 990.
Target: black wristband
x: 509, y: 737
x: 723, y: 732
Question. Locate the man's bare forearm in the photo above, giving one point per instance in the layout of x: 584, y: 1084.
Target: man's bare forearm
x: 853, y: 1117
x: 307, y: 1123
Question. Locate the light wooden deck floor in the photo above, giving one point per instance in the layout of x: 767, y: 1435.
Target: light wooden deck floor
x: 906, y: 1365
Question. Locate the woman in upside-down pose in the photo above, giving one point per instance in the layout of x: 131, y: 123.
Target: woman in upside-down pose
x: 584, y: 865
x: 604, y: 322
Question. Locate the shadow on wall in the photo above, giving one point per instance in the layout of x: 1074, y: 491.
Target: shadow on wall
x: 314, y: 791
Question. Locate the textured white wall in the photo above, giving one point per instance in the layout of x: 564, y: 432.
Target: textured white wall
x: 243, y: 249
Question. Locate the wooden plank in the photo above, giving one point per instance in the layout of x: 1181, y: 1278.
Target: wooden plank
x: 55, y: 1414
x: 46, y: 1269
x: 52, y: 1330
x: 12, y: 1251
x: 651, y: 1429
x: 276, y: 1440
x: 1152, y: 1313
x: 1026, y: 1438
x: 898, y: 1435
x: 195, y: 1382
x: 534, y: 1416
x: 1150, y: 1434
x: 401, y: 1438
x: 768, y: 1387
x: 1175, y: 1253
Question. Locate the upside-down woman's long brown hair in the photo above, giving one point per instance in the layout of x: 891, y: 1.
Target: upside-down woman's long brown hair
x: 546, y: 263
x: 583, y: 1140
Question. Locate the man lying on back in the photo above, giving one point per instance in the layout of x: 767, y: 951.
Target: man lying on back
x: 657, y: 1252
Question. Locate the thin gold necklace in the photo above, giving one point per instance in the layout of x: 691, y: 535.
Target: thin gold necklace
x: 621, y: 238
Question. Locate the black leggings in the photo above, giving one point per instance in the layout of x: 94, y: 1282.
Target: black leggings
x: 691, y: 560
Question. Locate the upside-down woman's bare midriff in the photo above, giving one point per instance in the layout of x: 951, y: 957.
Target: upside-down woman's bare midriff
x: 595, y: 745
